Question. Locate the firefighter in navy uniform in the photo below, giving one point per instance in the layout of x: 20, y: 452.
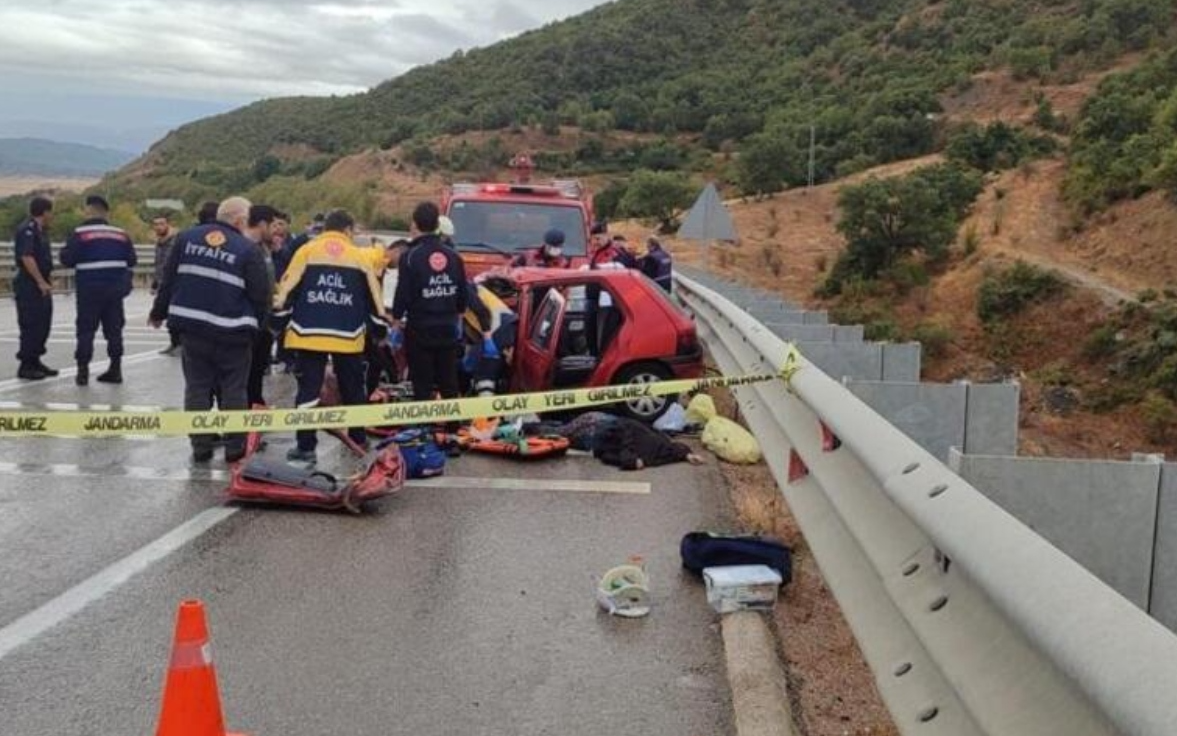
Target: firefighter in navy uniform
x: 331, y: 296
x: 214, y: 292
x: 657, y: 264
x: 431, y: 290
x: 102, y: 256
x: 34, y: 289
x: 548, y: 255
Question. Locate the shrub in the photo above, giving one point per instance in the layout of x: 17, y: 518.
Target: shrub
x: 1006, y: 293
x: 934, y: 336
x: 1160, y: 418
x: 1101, y: 343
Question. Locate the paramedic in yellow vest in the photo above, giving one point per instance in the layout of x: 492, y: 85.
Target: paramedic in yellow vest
x: 331, y: 295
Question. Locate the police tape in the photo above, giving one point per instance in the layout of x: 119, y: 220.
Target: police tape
x: 114, y: 423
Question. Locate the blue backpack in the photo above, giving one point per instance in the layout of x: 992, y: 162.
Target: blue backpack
x: 423, y: 457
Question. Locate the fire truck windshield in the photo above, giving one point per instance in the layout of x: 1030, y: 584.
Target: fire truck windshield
x: 512, y: 226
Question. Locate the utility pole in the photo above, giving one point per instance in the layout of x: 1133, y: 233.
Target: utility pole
x: 812, y: 153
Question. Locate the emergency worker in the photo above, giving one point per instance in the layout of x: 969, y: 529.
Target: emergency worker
x: 609, y: 252
x: 165, y: 239
x: 102, y: 256
x: 261, y: 219
x: 33, y: 289
x: 331, y: 295
x: 548, y: 255
x: 431, y: 291
x: 214, y: 291
x: 657, y: 264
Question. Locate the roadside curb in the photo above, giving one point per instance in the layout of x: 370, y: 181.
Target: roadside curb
x: 757, y: 681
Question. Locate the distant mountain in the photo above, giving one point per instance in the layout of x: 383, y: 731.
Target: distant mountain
x: 41, y: 157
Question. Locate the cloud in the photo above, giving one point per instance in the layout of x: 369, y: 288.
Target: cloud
x: 244, y: 49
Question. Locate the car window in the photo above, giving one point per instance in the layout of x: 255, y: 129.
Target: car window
x: 546, y: 317
x: 514, y: 226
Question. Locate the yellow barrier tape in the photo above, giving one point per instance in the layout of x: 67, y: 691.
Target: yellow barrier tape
x: 176, y: 423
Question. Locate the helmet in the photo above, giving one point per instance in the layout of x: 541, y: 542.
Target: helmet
x: 554, y: 237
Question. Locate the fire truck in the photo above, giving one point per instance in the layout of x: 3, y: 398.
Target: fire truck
x: 494, y: 221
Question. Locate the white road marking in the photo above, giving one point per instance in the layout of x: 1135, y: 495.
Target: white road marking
x: 15, y: 384
x: 73, y: 601
x: 190, y: 475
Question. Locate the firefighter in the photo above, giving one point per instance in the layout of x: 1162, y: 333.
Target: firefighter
x: 548, y: 255
x: 431, y: 290
x: 102, y: 256
x: 330, y: 294
x: 609, y: 252
x: 214, y: 292
x: 33, y: 289
x: 657, y: 264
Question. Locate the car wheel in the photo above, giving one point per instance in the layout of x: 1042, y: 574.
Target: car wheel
x: 646, y: 409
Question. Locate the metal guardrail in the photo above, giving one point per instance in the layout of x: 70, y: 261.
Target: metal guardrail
x: 971, y: 622
x: 63, y: 278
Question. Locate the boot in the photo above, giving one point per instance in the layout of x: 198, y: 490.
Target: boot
x: 114, y: 374
x: 83, y: 376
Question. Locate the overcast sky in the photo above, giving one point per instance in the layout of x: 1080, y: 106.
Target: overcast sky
x: 142, y: 64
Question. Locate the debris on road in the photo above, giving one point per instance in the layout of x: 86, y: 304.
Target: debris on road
x: 625, y: 591
x: 731, y: 442
x: 742, y: 588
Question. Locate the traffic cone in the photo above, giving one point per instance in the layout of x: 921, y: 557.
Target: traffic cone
x: 191, y: 702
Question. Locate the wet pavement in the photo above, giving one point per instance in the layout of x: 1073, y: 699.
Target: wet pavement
x: 465, y: 609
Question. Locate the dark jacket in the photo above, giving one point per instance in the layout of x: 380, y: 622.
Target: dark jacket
x: 31, y: 240
x: 630, y: 445
x: 163, y: 248
x: 658, y: 266
x: 431, y: 289
x: 214, y: 284
x: 101, y: 254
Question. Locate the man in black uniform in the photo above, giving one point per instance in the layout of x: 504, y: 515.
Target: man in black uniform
x: 34, y: 289
x: 214, y: 291
x: 102, y: 256
x: 431, y: 290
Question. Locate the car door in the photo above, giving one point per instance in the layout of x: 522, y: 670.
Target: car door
x: 535, y: 351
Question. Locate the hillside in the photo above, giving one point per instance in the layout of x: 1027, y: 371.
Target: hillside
x: 734, y: 75
x: 39, y: 157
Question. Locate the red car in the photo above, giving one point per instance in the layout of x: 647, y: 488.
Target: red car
x: 597, y: 328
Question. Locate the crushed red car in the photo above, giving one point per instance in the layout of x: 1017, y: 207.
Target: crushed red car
x: 582, y: 328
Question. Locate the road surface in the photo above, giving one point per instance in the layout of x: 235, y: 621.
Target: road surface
x: 462, y: 606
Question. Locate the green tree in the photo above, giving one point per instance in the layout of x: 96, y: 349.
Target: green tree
x: 659, y: 195
x: 767, y: 163
x: 265, y: 167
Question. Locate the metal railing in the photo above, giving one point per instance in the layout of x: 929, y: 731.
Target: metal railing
x: 63, y: 278
x: 970, y: 621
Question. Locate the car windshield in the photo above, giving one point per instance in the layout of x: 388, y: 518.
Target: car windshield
x: 512, y: 226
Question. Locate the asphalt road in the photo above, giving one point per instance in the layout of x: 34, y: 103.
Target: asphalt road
x: 463, y: 606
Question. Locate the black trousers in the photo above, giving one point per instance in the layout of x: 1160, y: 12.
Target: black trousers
x: 310, y: 368
x: 34, y: 317
x: 100, y: 305
x: 432, y: 364
x: 217, y: 367
x: 258, y: 365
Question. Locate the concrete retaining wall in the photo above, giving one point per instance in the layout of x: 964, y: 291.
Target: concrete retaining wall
x: 1103, y: 514
x: 868, y: 361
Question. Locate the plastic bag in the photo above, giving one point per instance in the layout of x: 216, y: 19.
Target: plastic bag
x: 674, y: 420
x: 701, y: 410
x: 731, y: 442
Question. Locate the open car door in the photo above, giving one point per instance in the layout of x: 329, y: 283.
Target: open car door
x: 535, y: 351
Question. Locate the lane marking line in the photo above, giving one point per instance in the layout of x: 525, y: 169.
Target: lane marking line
x: 35, y: 623
x: 217, y: 475
x: 15, y: 384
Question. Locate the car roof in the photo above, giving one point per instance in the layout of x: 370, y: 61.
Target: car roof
x: 531, y: 275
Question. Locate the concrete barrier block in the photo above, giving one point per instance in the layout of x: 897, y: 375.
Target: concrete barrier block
x: 849, y: 333
x: 931, y: 414
x: 1100, y: 513
x: 1163, y: 602
x: 801, y: 332
x: 857, y: 361
x: 901, y: 362
x: 817, y: 318
x: 777, y: 316
x: 992, y: 427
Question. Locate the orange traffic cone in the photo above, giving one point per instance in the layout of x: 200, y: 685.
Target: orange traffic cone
x: 191, y: 702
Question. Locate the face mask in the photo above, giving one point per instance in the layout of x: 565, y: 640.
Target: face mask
x: 554, y: 252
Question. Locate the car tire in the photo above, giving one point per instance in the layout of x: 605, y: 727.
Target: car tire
x: 645, y: 410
